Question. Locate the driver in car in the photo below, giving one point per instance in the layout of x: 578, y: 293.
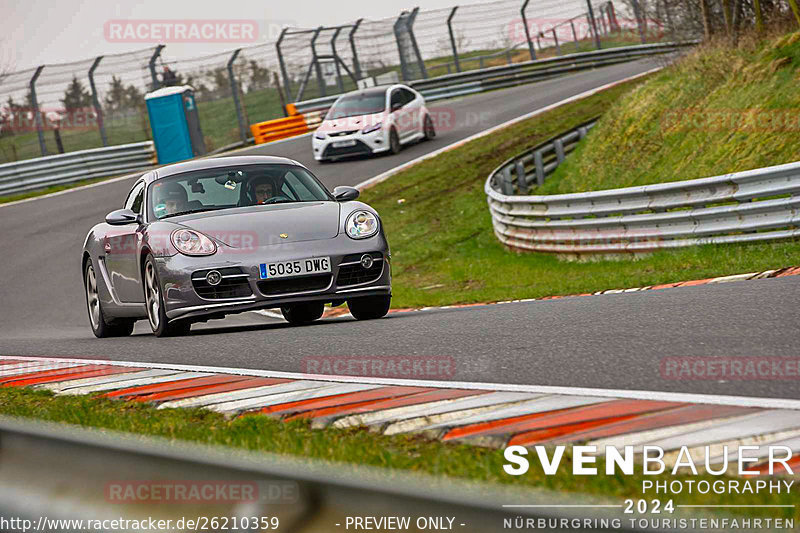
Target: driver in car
x: 171, y: 198
x: 263, y: 189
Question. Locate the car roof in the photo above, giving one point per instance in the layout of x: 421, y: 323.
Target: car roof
x: 219, y: 162
x: 378, y: 89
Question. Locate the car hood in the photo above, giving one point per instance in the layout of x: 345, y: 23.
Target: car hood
x: 258, y: 226
x: 351, y: 123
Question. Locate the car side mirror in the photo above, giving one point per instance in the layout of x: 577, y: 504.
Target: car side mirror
x: 345, y: 194
x: 121, y: 217
x: 396, y: 106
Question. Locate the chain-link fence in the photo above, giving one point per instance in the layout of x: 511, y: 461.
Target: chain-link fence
x: 100, y: 101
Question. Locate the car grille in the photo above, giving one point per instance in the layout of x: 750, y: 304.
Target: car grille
x: 230, y: 287
x: 357, y: 149
x: 341, y: 133
x: 273, y: 287
x: 356, y: 274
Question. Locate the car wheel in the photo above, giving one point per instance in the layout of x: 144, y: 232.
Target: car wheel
x: 428, y: 129
x: 101, y: 326
x: 299, y: 314
x: 154, y: 301
x: 394, y: 142
x: 369, y: 307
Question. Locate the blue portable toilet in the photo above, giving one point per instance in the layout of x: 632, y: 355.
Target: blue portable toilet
x: 175, y: 124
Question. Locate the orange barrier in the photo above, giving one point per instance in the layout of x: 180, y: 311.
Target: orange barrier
x: 283, y: 128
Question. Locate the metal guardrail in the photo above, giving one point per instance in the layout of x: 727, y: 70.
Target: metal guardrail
x: 36, y: 482
x: 66, y: 168
x: 751, y: 206
x: 475, y: 81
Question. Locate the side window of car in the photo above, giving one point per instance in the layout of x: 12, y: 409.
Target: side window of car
x: 293, y: 183
x: 397, y: 98
x: 135, y: 198
x: 408, y: 96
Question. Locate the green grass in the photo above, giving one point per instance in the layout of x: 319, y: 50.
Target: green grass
x: 353, y: 446
x: 659, y: 133
x: 438, y: 224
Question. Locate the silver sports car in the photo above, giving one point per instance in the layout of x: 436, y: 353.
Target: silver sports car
x: 202, y: 239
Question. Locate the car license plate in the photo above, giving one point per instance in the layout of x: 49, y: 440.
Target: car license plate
x: 343, y: 144
x: 298, y: 267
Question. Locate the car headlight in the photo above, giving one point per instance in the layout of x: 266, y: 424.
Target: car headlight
x: 370, y: 129
x: 320, y: 136
x: 361, y: 224
x: 190, y: 242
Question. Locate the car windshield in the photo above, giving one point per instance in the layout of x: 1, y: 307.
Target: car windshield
x: 232, y: 187
x: 353, y: 105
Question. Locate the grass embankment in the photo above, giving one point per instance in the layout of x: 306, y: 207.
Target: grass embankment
x: 438, y: 224
x: 352, y: 446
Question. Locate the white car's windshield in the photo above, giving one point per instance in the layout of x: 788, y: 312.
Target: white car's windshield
x: 228, y: 187
x: 353, y: 105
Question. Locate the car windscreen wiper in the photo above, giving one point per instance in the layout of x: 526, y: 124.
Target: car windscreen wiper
x: 191, y: 212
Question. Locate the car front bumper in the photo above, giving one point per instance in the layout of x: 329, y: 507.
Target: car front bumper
x: 365, y: 144
x: 183, y: 301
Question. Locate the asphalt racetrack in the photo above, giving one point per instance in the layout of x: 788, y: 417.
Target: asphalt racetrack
x: 612, y: 341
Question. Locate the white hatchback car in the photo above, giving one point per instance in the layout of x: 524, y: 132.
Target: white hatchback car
x: 371, y: 121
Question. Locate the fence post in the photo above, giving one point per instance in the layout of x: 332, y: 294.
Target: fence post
x: 575, y: 35
x: 401, y: 45
x: 37, y: 115
x: 527, y: 30
x: 339, y: 82
x: 538, y: 160
x: 453, y: 40
x: 351, y: 38
x: 320, y: 80
x: 593, y: 24
x: 282, y: 64
x: 637, y: 12
x: 96, y: 102
x: 152, y: 66
x: 235, y: 91
x: 555, y: 38
x: 410, y: 25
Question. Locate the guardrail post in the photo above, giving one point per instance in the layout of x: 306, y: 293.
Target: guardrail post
x: 96, y: 102
x: 351, y: 38
x: 522, y: 180
x: 453, y: 40
x: 507, y: 182
x: 558, y: 144
x: 235, y: 91
x: 320, y: 80
x: 282, y: 64
x: 539, y: 162
x: 527, y: 30
x: 152, y: 66
x: 410, y: 25
x: 582, y: 131
x: 593, y: 24
x: 37, y: 115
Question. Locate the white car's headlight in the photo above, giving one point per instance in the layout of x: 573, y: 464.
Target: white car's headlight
x: 361, y: 224
x: 370, y: 129
x: 320, y: 136
x: 190, y: 242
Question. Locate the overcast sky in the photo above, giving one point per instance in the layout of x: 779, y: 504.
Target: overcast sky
x: 39, y: 32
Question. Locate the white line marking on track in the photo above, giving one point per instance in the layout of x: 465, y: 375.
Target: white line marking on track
x: 711, y: 399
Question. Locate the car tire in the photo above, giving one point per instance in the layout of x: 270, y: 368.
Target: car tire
x: 102, y: 327
x: 370, y: 307
x: 394, y: 142
x: 154, y: 302
x: 300, y: 314
x: 427, y: 128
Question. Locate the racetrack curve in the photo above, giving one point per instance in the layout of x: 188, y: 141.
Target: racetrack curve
x: 613, y: 341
